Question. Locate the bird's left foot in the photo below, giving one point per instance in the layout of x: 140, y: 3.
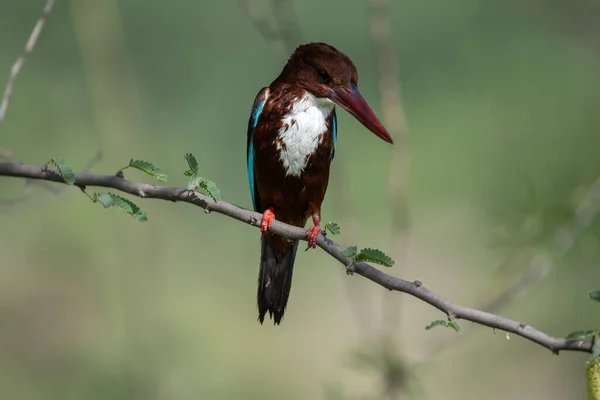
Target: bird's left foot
x: 267, y: 220
x: 312, y: 234
x: 313, y: 231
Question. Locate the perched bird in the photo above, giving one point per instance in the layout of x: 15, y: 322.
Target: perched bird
x: 292, y: 135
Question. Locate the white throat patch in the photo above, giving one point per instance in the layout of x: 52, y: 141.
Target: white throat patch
x: 302, y: 132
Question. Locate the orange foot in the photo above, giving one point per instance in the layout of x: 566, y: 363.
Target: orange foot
x: 312, y: 234
x: 267, y: 220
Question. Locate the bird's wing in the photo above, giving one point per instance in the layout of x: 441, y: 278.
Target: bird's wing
x: 334, y: 132
x: 257, y: 108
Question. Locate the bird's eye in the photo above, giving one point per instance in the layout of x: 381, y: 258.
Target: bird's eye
x: 325, y: 78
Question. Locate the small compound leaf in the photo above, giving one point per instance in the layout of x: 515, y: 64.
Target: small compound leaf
x: 197, y: 182
x: 112, y: 200
x: 595, y: 295
x: 194, y: 182
x: 449, y: 324
x: 148, y: 168
x: 579, y: 335
x: 104, y: 198
x: 333, y: 228
x: 192, y: 164
x: 63, y: 169
x: 455, y: 325
x: 439, y: 322
x: 350, y: 251
x: 375, y: 256
x: 210, y: 188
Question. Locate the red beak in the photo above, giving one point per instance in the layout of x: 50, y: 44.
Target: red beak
x: 352, y: 101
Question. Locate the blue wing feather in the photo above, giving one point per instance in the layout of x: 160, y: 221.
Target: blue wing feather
x: 334, y: 131
x: 257, y: 108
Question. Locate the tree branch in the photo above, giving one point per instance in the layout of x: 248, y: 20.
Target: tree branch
x: 26, y: 196
x: 415, y: 289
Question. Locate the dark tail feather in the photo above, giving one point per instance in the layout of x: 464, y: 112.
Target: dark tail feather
x: 274, y: 280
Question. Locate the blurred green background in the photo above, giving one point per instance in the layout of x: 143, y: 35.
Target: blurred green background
x: 502, y: 103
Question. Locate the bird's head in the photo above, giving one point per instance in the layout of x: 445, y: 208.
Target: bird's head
x: 328, y: 73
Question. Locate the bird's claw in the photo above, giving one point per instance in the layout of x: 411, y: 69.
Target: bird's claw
x: 312, y: 234
x: 267, y: 220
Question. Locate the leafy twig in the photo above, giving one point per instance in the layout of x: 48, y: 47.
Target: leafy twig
x: 26, y: 195
x: 415, y: 289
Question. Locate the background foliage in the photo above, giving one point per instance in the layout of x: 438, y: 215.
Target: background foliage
x: 501, y: 99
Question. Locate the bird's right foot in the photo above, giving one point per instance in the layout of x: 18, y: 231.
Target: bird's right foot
x: 267, y: 220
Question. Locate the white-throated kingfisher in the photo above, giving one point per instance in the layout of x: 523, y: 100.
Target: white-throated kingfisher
x: 292, y: 135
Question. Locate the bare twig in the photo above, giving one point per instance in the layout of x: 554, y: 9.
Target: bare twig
x: 415, y: 289
x: 16, y: 68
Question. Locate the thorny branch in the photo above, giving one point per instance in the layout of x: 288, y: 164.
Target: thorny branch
x: 415, y: 289
x: 16, y: 68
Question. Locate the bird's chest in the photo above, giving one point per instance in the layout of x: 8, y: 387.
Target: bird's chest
x: 303, y: 135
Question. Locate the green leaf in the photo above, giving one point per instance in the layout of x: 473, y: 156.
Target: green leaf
x: 448, y: 324
x: 63, y: 169
x: 595, y: 295
x: 350, y: 251
x: 112, y: 200
x: 211, y: 189
x: 148, y: 168
x: 577, y: 335
x: 194, y: 182
x: 375, y: 256
x: 192, y: 164
x: 439, y: 322
x: 103, y: 198
x: 455, y: 325
x: 333, y: 228
x: 197, y: 182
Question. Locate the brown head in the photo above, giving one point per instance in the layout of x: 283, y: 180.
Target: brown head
x: 326, y: 72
